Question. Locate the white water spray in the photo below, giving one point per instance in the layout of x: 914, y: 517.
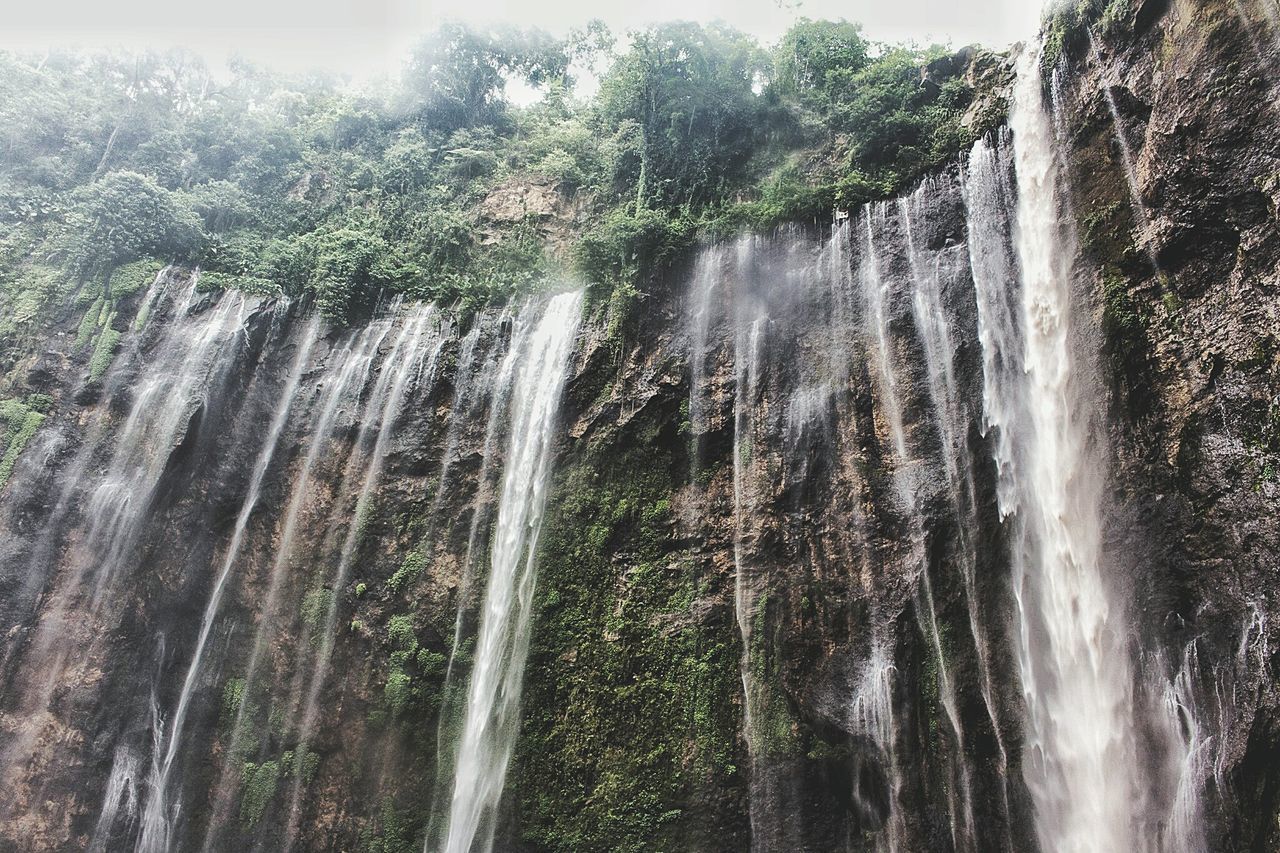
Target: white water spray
x: 159, y: 814
x: 493, y: 698
x: 1079, y: 759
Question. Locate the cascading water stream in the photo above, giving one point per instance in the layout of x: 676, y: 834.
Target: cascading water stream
x: 747, y: 359
x: 158, y: 817
x: 493, y: 698
x: 876, y: 291
x: 497, y: 375
x: 387, y: 401
x: 188, y: 361
x: 121, y: 796
x: 346, y: 377
x: 1079, y: 761
x: 872, y: 712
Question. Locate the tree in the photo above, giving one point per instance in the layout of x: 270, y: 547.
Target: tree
x: 456, y: 77
x: 124, y: 216
x: 814, y: 58
x: 691, y: 92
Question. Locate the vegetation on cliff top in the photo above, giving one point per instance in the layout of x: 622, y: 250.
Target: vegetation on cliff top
x: 305, y: 185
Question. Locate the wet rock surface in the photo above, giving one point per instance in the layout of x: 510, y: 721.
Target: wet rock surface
x: 773, y: 599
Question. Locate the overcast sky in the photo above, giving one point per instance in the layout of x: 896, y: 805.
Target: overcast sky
x: 364, y: 38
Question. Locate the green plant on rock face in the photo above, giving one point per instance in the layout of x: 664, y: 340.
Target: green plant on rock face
x: 90, y: 322
x: 431, y: 663
x: 1121, y: 311
x: 258, y: 787
x: 232, y: 697
x: 400, y: 634
x: 637, y: 709
x: 315, y: 611
x: 397, y: 692
x: 104, y: 351
x: 300, y: 765
x: 410, y: 569
x: 20, y: 420
x: 128, y: 279
x: 395, y: 832
x: 1067, y: 24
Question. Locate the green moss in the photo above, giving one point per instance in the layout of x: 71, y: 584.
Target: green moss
x: 776, y: 733
x: 232, y: 698
x: 1121, y: 313
x: 300, y: 765
x: 144, y: 314
x: 1067, y: 24
x: 397, y: 692
x: 431, y: 663
x: 22, y: 421
x: 89, y: 323
x: 315, y: 612
x: 637, y: 710
x: 128, y: 279
x: 104, y: 350
x: 410, y: 569
x: 41, y: 403
x: 250, y: 284
x: 400, y: 633
x: 258, y: 787
x: 394, y: 832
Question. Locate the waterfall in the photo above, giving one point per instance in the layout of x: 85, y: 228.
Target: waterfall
x: 541, y: 350
x: 386, y: 402
x: 157, y: 817
x: 121, y: 797
x: 344, y: 379
x: 931, y: 322
x: 1079, y: 760
x: 873, y: 717
x: 747, y: 360
x: 184, y: 369
x: 496, y: 375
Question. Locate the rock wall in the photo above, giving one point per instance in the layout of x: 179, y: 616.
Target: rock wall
x: 773, y: 605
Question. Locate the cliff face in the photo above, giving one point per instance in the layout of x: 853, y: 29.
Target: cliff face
x: 1170, y: 139
x: 778, y: 602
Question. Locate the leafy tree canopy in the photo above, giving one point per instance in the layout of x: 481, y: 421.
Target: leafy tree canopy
x: 304, y: 185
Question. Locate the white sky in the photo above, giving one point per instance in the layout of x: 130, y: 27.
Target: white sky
x: 365, y: 39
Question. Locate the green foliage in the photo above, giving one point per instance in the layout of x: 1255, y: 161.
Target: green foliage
x: 400, y: 634
x: 19, y: 422
x: 1120, y: 311
x: 90, y: 322
x: 815, y: 58
x: 1067, y: 25
x: 301, y: 765
x: 625, y: 246
x: 414, y: 673
x: 258, y: 787
x: 316, y: 605
x: 124, y: 216
x: 431, y: 663
x: 410, y: 569
x: 232, y: 697
x: 253, y: 285
x: 396, y: 831
x: 683, y: 99
x: 636, y: 710
x: 279, y: 186
x: 396, y: 693
x: 104, y: 350
x: 129, y: 279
